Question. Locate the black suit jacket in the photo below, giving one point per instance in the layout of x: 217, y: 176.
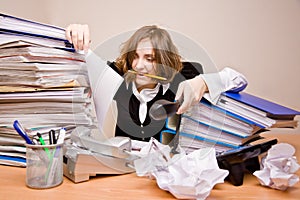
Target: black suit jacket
x: 128, y: 123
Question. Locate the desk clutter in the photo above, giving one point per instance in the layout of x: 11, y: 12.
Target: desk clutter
x: 232, y: 127
x: 43, y: 84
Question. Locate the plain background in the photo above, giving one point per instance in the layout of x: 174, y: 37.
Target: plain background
x: 259, y: 38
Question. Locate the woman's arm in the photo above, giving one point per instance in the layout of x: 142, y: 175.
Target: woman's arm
x: 191, y: 91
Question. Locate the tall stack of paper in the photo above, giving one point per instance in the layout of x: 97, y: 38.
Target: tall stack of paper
x: 236, y: 120
x: 43, y: 84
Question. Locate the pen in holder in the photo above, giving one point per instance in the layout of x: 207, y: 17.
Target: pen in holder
x: 44, y: 169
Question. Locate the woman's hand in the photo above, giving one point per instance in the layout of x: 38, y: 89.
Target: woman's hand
x: 190, y: 92
x: 79, y: 36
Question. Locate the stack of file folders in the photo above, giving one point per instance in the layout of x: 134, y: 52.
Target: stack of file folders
x: 43, y: 84
x: 235, y: 121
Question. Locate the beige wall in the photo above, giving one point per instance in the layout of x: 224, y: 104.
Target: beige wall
x: 260, y: 38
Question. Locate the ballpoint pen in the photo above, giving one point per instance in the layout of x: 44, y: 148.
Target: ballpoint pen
x: 52, y: 138
x: 43, y: 143
x: 22, y: 132
x: 61, y: 137
x: 149, y: 75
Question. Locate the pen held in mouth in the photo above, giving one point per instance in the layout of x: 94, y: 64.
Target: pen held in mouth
x: 148, y: 75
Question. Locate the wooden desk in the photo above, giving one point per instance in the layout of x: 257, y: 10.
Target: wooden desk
x: 131, y: 187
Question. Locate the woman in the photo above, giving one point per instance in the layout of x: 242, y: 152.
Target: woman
x: 150, y: 64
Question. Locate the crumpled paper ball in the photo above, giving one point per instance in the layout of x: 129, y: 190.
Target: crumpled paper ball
x: 279, y: 167
x: 191, y: 176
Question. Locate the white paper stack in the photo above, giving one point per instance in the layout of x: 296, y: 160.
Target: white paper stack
x: 43, y: 84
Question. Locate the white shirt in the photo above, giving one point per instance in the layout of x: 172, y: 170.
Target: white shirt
x: 145, y: 96
x: 226, y: 80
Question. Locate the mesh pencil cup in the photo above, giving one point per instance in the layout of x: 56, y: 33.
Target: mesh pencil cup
x: 44, y: 165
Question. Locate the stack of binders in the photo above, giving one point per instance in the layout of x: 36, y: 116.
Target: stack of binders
x: 43, y: 84
x: 235, y: 121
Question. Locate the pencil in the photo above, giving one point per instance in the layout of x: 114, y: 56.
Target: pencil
x: 149, y: 75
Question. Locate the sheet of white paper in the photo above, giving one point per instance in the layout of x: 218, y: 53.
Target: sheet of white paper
x: 104, y: 83
x: 190, y: 176
x: 279, y: 167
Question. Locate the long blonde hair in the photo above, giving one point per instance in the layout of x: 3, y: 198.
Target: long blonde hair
x: 166, y: 56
